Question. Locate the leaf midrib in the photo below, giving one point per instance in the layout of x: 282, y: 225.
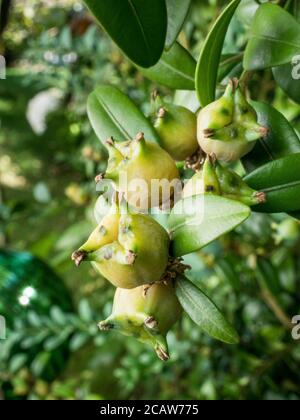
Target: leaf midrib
x: 141, y: 27
x: 213, y: 219
x: 206, y: 318
x: 277, y: 40
x: 175, y: 70
x: 282, y: 186
x: 113, y: 118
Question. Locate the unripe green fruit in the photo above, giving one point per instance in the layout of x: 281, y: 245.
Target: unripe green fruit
x: 105, y: 233
x: 204, y: 181
x: 177, y: 128
x: 147, y: 313
x: 130, y: 251
x: 216, y: 179
x: 140, y: 160
x: 102, y: 208
x: 228, y: 128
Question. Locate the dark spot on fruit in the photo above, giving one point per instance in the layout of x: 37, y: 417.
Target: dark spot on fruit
x: 209, y: 188
x: 125, y: 230
x: 225, y: 112
x: 108, y: 254
x: 234, y: 182
x: 234, y: 133
x: 103, y: 230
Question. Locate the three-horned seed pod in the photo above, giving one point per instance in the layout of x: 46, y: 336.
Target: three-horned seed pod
x: 228, y: 128
x: 216, y: 179
x: 147, y: 313
x: 127, y: 249
x: 139, y: 170
x: 177, y: 128
x: 204, y: 181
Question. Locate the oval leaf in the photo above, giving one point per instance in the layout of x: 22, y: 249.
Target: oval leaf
x: 208, y: 64
x: 197, y: 221
x: 280, y: 180
x: 288, y: 78
x: 204, y: 312
x: 177, y: 12
x: 113, y: 114
x: 138, y: 27
x: 275, y: 38
x: 282, y: 140
x: 176, y: 69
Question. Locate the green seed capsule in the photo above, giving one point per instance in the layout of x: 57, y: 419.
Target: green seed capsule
x: 203, y: 182
x: 141, y: 163
x: 219, y: 180
x: 177, y: 127
x: 228, y: 128
x: 147, y: 313
x: 129, y: 250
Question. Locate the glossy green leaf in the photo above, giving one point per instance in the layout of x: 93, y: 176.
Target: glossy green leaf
x: 197, y: 221
x: 274, y: 40
x: 176, y: 69
x: 177, y: 12
x: 204, y: 312
x: 208, y: 64
x: 288, y: 78
x: 282, y: 140
x: 280, y: 180
x: 113, y: 114
x: 138, y: 27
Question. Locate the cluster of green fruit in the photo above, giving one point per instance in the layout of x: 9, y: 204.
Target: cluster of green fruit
x: 131, y: 249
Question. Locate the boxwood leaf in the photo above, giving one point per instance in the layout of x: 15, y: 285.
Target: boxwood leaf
x: 282, y: 140
x: 176, y: 69
x: 138, y: 27
x: 177, y: 12
x: 113, y: 114
x: 204, y: 312
x: 275, y: 38
x: 288, y: 78
x: 208, y: 64
x: 280, y: 180
x: 196, y: 221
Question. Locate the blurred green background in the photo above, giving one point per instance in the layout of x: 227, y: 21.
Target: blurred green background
x: 49, y: 156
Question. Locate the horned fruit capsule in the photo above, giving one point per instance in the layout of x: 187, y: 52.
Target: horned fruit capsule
x: 127, y: 249
x: 139, y: 170
x: 228, y: 128
x: 147, y: 313
x: 215, y: 178
x: 177, y: 128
